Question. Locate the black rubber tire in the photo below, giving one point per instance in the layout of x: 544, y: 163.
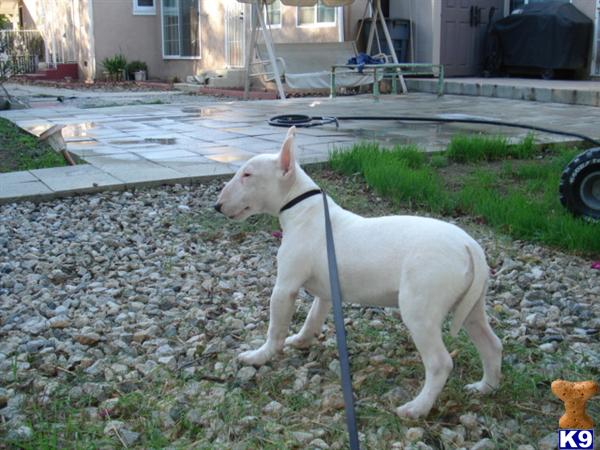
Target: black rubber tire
x: 580, y: 185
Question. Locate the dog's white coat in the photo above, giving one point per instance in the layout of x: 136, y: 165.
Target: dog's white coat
x: 425, y: 267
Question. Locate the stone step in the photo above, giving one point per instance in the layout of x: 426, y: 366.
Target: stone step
x: 585, y: 93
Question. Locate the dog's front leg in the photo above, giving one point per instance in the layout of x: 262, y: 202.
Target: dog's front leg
x: 282, y: 309
x: 312, y: 326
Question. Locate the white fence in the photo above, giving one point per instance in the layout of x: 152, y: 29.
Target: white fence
x: 21, y: 51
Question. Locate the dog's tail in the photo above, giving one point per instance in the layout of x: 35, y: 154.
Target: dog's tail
x: 475, y: 291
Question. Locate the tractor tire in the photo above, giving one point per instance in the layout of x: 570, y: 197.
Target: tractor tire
x: 580, y: 185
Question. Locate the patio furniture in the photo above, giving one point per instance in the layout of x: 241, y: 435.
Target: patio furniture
x: 393, y: 71
x: 373, y: 11
x: 306, y: 65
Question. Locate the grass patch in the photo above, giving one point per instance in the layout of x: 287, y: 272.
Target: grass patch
x: 477, y: 148
x: 21, y: 151
x: 502, y: 186
x: 400, y: 174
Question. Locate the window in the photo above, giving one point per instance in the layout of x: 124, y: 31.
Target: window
x: 273, y: 16
x: 316, y: 15
x: 181, y: 28
x: 144, y: 7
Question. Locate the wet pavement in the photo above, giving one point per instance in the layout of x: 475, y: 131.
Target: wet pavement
x: 184, y: 141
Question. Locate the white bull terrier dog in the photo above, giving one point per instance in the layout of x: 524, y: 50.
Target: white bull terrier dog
x: 423, y: 266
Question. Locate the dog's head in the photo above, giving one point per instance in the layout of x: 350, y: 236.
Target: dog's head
x: 260, y: 185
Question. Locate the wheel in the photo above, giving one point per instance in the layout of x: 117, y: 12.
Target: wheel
x: 580, y: 185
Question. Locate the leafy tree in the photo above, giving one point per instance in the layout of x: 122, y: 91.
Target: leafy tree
x: 5, y: 23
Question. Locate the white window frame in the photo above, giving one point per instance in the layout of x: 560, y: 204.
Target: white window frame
x: 316, y: 24
x: 162, y: 38
x: 144, y: 10
x: 274, y: 26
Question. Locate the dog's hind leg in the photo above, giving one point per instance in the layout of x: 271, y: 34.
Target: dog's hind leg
x: 425, y: 329
x: 489, y: 347
x: 312, y: 326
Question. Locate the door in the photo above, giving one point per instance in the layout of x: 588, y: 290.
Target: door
x: 464, y: 24
x: 235, y: 34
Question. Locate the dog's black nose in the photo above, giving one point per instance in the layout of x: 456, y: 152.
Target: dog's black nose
x: 218, y: 206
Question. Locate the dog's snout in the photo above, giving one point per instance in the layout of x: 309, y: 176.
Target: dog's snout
x: 218, y: 206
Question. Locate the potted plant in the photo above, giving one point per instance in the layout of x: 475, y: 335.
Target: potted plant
x: 138, y: 70
x: 115, y: 67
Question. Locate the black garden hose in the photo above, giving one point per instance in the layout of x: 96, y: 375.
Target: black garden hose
x: 304, y: 121
x: 580, y: 181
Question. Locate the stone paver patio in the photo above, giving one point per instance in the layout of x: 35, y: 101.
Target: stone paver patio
x: 135, y: 145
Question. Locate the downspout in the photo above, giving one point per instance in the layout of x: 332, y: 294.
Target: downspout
x: 91, y: 41
x: 341, y: 21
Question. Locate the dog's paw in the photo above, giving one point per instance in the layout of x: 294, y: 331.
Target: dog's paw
x: 254, y: 357
x: 298, y: 341
x: 479, y: 388
x: 413, y: 410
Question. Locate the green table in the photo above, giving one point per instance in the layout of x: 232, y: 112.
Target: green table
x: 393, y: 71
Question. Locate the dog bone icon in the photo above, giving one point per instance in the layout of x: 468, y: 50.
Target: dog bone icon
x: 575, y: 395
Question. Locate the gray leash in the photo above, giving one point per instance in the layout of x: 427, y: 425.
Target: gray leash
x: 340, y: 332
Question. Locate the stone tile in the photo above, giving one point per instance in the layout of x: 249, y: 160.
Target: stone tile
x: 80, y: 178
x: 213, y: 150
x: 193, y: 168
x: 131, y: 168
x: 234, y: 157
x: 255, y: 130
x: 16, y: 177
x: 82, y: 145
x: 36, y: 129
x: 252, y: 144
x: 97, y: 150
x: 211, y: 135
x: 22, y: 190
x: 166, y: 155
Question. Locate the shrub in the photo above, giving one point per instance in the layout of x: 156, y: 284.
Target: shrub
x: 136, y: 66
x: 115, y: 65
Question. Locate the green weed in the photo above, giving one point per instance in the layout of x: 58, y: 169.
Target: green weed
x: 517, y: 197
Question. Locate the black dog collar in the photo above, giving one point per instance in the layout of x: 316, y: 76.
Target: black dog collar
x: 298, y: 199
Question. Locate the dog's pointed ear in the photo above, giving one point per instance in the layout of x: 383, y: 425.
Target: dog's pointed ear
x: 286, y: 155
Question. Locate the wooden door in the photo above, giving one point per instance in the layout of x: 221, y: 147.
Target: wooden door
x: 464, y: 24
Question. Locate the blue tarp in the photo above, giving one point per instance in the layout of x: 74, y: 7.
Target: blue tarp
x: 362, y: 58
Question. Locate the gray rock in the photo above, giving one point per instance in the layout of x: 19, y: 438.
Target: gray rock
x: 35, y: 325
x: 451, y: 437
x: 273, y: 408
x: 318, y: 443
x: 87, y: 338
x: 484, y: 444
x: 59, y: 322
x: 20, y: 433
x: 469, y: 421
x: 548, y: 442
x: 302, y: 436
x: 128, y: 436
x: 414, y: 434
x: 245, y: 374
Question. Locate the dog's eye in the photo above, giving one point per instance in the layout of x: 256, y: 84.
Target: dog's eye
x: 246, y: 175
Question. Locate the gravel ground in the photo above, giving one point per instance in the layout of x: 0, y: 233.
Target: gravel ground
x: 123, y: 312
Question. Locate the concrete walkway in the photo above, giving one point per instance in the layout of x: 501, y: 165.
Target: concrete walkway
x: 136, y: 145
